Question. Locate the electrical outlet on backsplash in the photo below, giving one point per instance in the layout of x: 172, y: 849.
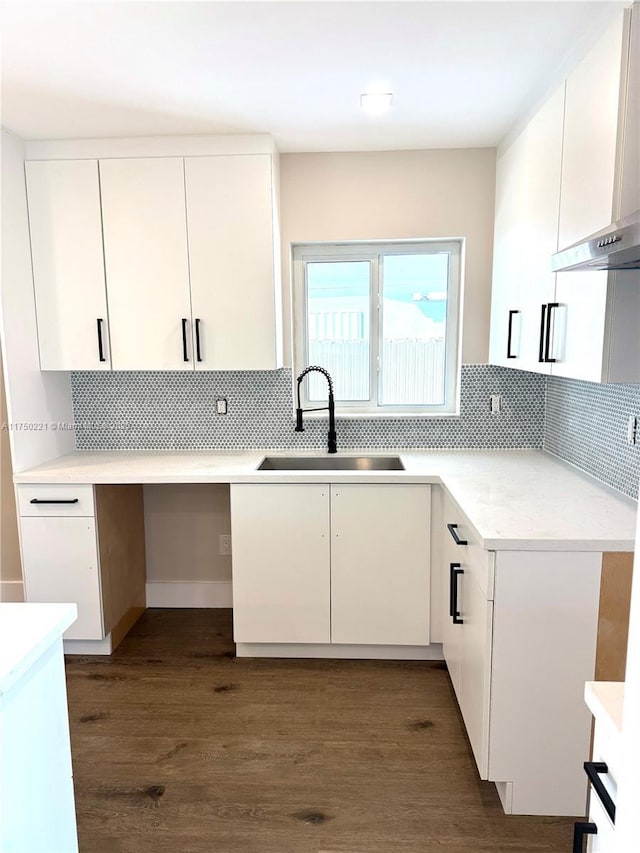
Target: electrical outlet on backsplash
x: 578, y: 421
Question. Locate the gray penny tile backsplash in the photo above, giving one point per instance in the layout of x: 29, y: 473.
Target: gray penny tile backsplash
x: 586, y: 424
x: 164, y: 411
x: 578, y: 421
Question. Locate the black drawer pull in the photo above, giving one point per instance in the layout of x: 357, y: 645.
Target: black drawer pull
x: 185, y: 354
x: 547, y: 345
x: 454, y: 571
x: 198, y: 353
x: 541, y: 348
x: 509, y: 331
x: 579, y: 831
x: 594, y: 769
x: 101, y: 355
x: 56, y: 501
x: 452, y: 528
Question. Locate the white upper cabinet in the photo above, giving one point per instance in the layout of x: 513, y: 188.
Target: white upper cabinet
x: 506, y: 300
x: 526, y: 234
x: 68, y: 266
x: 591, y: 130
x: 234, y: 280
x: 543, y: 168
x: 594, y: 333
x: 569, y: 174
x: 145, y: 249
x: 182, y: 253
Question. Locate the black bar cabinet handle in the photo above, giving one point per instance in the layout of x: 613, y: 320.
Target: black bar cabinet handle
x: 581, y: 829
x: 185, y: 355
x: 541, y: 347
x: 454, y: 571
x: 198, y: 353
x: 453, y: 530
x: 594, y: 769
x: 58, y: 501
x: 509, y: 330
x: 101, y: 354
x: 547, y: 345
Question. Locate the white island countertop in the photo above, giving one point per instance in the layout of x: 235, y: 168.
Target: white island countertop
x: 514, y: 499
x: 26, y: 632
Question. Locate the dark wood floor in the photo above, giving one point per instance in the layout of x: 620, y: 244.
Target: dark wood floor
x: 179, y: 747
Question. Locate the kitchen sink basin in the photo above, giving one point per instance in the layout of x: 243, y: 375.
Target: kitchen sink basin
x: 331, y: 463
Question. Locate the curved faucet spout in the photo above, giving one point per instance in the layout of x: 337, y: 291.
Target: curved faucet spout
x: 332, y: 440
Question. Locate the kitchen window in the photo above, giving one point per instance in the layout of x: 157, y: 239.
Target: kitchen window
x: 383, y: 319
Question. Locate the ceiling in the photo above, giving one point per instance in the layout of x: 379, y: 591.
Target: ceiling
x: 461, y: 73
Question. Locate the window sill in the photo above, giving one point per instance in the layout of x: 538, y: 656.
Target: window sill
x: 382, y: 416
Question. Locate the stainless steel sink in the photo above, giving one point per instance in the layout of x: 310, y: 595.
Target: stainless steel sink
x: 331, y: 463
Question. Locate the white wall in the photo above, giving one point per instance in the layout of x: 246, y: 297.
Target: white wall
x: 389, y: 195
x: 33, y: 398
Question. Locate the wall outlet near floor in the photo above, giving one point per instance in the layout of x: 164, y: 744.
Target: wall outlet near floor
x: 495, y: 404
x: 225, y: 544
x: 632, y: 429
x: 221, y: 406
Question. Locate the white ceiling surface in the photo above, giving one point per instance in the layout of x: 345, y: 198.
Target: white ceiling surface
x: 461, y: 72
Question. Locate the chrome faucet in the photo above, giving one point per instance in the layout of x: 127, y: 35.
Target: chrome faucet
x: 332, y: 440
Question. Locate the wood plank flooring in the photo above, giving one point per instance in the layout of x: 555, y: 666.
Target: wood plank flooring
x: 179, y: 747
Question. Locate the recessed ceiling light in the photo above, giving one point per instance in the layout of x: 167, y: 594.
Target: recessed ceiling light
x: 376, y: 103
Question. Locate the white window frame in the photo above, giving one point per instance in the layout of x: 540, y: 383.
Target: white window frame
x: 372, y: 251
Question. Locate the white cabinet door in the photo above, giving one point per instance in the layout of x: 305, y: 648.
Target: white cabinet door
x: 60, y: 564
x: 591, y: 138
x: 145, y: 247
x: 475, y: 666
x: 509, y: 248
x: 468, y: 629
x: 543, y: 168
x: 68, y: 265
x: 545, y: 630
x: 451, y: 631
x: 234, y: 279
x: 281, y: 585
x: 579, y: 325
x: 380, y: 574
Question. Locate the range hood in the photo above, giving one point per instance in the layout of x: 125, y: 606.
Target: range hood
x: 616, y: 247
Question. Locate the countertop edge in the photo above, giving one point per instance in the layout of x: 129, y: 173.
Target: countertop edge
x: 58, y: 618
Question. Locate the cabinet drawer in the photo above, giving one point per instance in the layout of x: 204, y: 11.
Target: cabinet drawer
x: 606, y: 749
x: 60, y: 564
x: 50, y: 500
x: 603, y: 840
x: 473, y: 558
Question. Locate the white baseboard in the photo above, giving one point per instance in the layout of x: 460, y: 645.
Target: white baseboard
x: 11, y: 591
x: 88, y: 647
x: 303, y: 650
x: 189, y: 594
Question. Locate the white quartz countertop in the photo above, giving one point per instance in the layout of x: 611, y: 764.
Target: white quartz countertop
x: 514, y: 499
x: 605, y: 700
x: 26, y: 632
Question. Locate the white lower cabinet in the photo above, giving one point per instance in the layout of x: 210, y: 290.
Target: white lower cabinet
x: 380, y: 564
x: 320, y: 563
x: 468, y: 629
x: 84, y: 544
x: 281, y: 581
x: 520, y: 638
x: 60, y: 562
